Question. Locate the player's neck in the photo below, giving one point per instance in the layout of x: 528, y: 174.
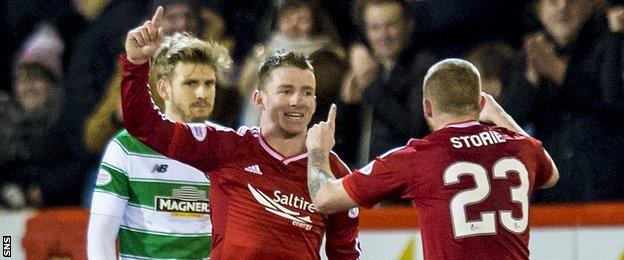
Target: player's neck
x: 442, y: 120
x: 173, y: 116
x: 288, y: 146
x: 169, y: 112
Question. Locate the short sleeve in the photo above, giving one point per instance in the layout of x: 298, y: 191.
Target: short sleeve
x: 377, y: 181
x: 544, y: 165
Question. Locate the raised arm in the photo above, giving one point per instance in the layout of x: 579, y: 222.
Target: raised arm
x: 327, y: 193
x: 493, y: 113
x: 192, y: 144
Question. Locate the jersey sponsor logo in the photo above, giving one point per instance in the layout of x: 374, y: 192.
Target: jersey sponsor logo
x: 160, y: 168
x: 199, y: 131
x: 354, y: 212
x: 293, y: 201
x: 187, y: 201
x: 253, y: 169
x: 275, y: 206
x: 104, y: 178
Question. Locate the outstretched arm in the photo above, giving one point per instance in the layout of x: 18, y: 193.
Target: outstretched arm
x: 327, y: 193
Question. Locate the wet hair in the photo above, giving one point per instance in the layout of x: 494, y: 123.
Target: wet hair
x: 278, y: 60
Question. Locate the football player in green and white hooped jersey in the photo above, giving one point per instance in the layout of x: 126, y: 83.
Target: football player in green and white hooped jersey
x: 155, y: 206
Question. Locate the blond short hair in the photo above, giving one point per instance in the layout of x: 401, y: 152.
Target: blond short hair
x: 182, y: 47
x: 454, y: 87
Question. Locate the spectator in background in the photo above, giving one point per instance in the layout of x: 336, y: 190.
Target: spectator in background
x: 86, y: 78
x: 247, y: 22
x: 301, y: 28
x: 382, y: 92
x: 31, y: 153
x: 493, y: 60
x: 44, y: 45
x: 615, y: 15
x: 568, y: 83
x: 23, y: 18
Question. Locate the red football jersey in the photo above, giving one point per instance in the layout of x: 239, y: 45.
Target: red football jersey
x: 260, y: 206
x: 471, y: 184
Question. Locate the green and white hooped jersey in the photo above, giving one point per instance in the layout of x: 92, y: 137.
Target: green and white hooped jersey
x: 163, y: 203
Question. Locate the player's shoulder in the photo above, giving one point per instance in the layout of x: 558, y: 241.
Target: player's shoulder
x: 335, y: 161
x: 130, y: 144
x: 249, y: 131
x: 516, y: 137
x: 211, y: 125
x: 201, y: 130
x: 400, y: 152
x: 124, y: 135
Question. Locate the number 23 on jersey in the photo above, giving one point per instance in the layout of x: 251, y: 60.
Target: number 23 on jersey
x: 462, y: 227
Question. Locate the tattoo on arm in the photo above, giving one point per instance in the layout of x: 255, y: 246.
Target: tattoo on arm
x: 319, y: 171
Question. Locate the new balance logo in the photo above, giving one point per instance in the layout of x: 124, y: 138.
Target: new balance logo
x: 160, y: 168
x: 253, y: 169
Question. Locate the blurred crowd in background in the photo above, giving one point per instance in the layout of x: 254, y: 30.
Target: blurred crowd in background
x: 556, y: 66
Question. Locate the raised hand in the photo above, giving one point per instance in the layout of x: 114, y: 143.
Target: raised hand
x: 543, y: 60
x: 492, y: 111
x: 143, y: 41
x: 321, y: 135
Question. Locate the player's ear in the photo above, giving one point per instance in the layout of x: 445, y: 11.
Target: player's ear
x: 427, y: 108
x: 481, y: 103
x: 163, y: 89
x: 258, y: 99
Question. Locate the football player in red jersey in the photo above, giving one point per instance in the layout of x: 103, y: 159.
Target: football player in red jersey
x: 259, y: 203
x: 471, y: 182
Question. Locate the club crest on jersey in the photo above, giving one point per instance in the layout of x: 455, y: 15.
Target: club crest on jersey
x: 366, y: 170
x: 186, y: 201
x: 199, y: 131
x: 103, y: 178
x: 354, y: 212
x: 275, y: 206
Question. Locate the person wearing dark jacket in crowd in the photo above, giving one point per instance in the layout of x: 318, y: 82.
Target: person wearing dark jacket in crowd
x: 33, y: 162
x: 380, y: 104
x: 568, y: 85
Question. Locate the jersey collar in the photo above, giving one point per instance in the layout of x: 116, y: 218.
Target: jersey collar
x: 275, y: 154
x: 463, y: 124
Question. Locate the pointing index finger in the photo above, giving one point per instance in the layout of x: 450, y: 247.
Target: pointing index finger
x: 157, y: 18
x: 331, y: 116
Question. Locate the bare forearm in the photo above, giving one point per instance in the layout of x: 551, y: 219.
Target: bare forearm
x: 319, y: 172
x: 505, y: 120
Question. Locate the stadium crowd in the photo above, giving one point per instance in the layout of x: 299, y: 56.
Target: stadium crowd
x: 556, y: 66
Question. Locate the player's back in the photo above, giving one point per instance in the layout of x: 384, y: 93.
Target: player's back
x: 472, y: 184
